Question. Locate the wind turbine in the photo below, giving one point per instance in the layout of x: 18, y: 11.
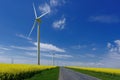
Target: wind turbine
x: 37, y: 21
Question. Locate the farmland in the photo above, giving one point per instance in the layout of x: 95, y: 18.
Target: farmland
x: 20, y: 71
x: 35, y: 72
x: 101, y: 73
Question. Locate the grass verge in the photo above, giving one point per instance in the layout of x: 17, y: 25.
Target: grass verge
x: 100, y: 75
x: 51, y: 74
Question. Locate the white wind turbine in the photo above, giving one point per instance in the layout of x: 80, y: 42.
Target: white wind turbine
x: 38, y: 21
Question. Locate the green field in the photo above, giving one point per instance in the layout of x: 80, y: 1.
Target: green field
x: 100, y: 75
x: 51, y: 74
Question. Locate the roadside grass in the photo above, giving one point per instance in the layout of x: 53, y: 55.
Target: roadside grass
x: 100, y: 75
x: 51, y: 74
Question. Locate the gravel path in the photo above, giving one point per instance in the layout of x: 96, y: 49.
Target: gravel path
x: 68, y: 74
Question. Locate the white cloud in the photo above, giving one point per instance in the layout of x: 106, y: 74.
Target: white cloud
x: 22, y: 36
x: 1, y: 52
x: 62, y: 56
x: 89, y: 64
x: 78, y: 63
x: 90, y: 55
x: 79, y: 46
x: 59, y: 24
x: 34, y: 54
x: 94, y: 49
x: 49, y: 47
x: 117, y: 42
x: 114, y: 47
x: 87, y: 56
x: 45, y: 8
x: 43, y: 47
x: 4, y: 59
x: 109, y: 45
x: 27, y: 60
x: 105, y: 19
x: 112, y: 58
x: 24, y: 48
x: 4, y: 48
x: 23, y: 60
x: 55, y: 3
x: 51, y: 6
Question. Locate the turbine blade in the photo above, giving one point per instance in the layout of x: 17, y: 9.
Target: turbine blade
x: 43, y: 15
x: 34, y: 11
x: 32, y: 29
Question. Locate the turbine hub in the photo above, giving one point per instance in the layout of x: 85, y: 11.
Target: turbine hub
x: 38, y: 20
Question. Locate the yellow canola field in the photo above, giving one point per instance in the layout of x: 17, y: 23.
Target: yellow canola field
x: 21, y: 68
x: 105, y: 70
x: 20, y: 71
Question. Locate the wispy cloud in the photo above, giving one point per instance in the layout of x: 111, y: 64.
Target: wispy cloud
x: 60, y: 56
x: 112, y: 58
x: 109, y: 45
x: 23, y: 36
x: 87, y: 56
x: 24, y: 60
x: 63, y: 56
x: 104, y: 19
x: 94, y: 49
x: 51, y: 6
x: 4, y: 48
x: 79, y: 46
x: 43, y: 47
x: 87, y: 64
x: 5, y: 59
x: 90, y: 55
x: 78, y: 63
x: 45, y: 8
x: 49, y: 47
x: 114, y: 47
x: 34, y: 54
x: 18, y: 59
x: 59, y: 24
x: 55, y: 3
x: 24, y: 48
x: 1, y: 52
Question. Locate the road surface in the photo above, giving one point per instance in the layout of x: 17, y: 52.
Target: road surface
x: 68, y: 74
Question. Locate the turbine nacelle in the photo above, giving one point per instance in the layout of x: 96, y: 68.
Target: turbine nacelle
x: 38, y: 20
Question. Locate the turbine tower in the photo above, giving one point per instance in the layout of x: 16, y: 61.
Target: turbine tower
x: 38, y: 21
x: 53, y: 55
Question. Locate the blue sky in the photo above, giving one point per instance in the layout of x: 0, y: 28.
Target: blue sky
x: 79, y: 32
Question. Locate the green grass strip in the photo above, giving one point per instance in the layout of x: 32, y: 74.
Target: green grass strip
x: 51, y: 74
x: 100, y: 75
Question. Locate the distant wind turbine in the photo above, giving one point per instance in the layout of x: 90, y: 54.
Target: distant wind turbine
x: 53, y: 55
x: 12, y: 60
x: 38, y: 21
